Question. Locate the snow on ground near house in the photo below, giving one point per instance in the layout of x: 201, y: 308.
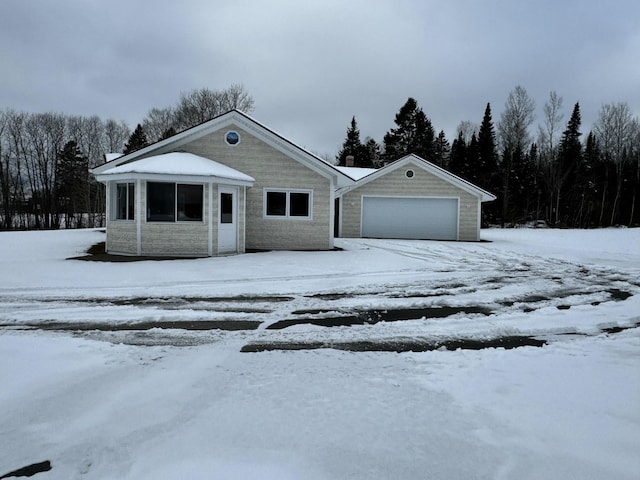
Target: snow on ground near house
x: 179, y: 403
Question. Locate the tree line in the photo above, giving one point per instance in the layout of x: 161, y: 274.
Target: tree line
x: 45, y: 158
x: 560, y: 177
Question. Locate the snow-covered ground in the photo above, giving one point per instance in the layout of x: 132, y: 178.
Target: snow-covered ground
x: 90, y: 382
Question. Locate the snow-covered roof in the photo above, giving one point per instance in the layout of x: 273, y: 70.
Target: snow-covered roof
x: 426, y: 165
x: 242, y: 120
x: 177, y: 164
x: 356, y: 172
x: 112, y: 156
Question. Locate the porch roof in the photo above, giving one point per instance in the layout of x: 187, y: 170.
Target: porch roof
x: 176, y: 164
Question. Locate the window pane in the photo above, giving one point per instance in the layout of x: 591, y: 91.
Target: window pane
x: 226, y: 207
x: 299, y: 204
x: 277, y: 203
x: 121, y: 201
x: 189, y: 203
x: 131, y: 201
x: 160, y: 202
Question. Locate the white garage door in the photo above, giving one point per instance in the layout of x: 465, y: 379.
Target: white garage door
x: 410, y: 217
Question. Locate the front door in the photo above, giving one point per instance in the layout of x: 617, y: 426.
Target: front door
x: 227, y: 220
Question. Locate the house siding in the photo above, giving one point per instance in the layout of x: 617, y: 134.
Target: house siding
x: 121, y: 237
x: 422, y: 184
x: 271, y: 169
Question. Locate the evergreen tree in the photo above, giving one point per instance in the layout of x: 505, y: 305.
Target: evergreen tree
x: 569, y: 169
x: 72, y: 184
x: 442, y: 150
x: 137, y: 140
x: 458, y: 157
x: 169, y: 132
x: 352, y: 146
x: 473, y: 161
x: 373, y: 152
x: 587, y: 186
x: 414, y: 134
x: 487, y: 152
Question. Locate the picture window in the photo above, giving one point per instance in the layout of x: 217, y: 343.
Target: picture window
x: 288, y: 204
x: 171, y: 202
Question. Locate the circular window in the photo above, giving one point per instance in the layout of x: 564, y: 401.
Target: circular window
x: 409, y: 174
x: 232, y: 138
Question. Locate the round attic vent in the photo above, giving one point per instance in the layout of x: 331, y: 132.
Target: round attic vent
x: 409, y: 174
x: 232, y: 138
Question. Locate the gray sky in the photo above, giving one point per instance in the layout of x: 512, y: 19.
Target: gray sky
x: 312, y: 65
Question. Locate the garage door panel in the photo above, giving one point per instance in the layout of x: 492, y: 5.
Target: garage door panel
x: 410, y: 217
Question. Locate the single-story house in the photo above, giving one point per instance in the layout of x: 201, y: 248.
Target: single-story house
x: 231, y: 184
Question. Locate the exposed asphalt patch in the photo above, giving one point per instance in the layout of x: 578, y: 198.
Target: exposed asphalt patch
x: 612, y: 330
x: 400, y: 345
x: 229, y: 325
x: 177, y: 301
x: 372, y: 317
x: 424, y: 345
x: 29, y: 470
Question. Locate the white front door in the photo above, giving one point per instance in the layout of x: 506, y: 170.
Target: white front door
x: 227, y: 219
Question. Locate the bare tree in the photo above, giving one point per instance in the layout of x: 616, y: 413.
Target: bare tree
x: 514, y: 138
x: 548, y: 139
x: 6, y: 209
x: 614, y: 131
x: 466, y: 129
x: 200, y: 105
x: 515, y: 120
x: 115, y: 136
x: 635, y: 158
x: 158, y: 122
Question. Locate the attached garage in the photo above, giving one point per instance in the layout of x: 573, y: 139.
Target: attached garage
x: 410, y: 217
x: 410, y: 198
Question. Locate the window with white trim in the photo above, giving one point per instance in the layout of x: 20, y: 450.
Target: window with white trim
x: 174, y: 202
x: 294, y: 204
x: 125, y: 201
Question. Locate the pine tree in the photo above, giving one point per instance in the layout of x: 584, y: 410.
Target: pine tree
x: 442, y: 151
x: 487, y: 153
x: 72, y: 184
x: 373, y: 151
x: 169, y: 132
x: 414, y: 134
x: 458, y: 157
x: 569, y: 169
x: 352, y: 146
x: 137, y: 140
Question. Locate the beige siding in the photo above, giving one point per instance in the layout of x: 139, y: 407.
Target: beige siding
x: 272, y: 169
x: 121, y: 237
x: 423, y: 184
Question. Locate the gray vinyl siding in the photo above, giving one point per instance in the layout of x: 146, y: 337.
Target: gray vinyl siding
x: 422, y: 184
x: 272, y: 169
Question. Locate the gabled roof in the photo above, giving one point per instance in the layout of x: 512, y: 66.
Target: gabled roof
x: 234, y: 117
x: 357, y: 172
x: 429, y: 167
x: 175, y: 164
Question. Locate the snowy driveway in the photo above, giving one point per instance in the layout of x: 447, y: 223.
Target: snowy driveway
x: 91, y: 383
x: 379, y: 291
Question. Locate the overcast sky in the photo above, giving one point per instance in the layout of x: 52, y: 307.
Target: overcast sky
x: 311, y: 65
